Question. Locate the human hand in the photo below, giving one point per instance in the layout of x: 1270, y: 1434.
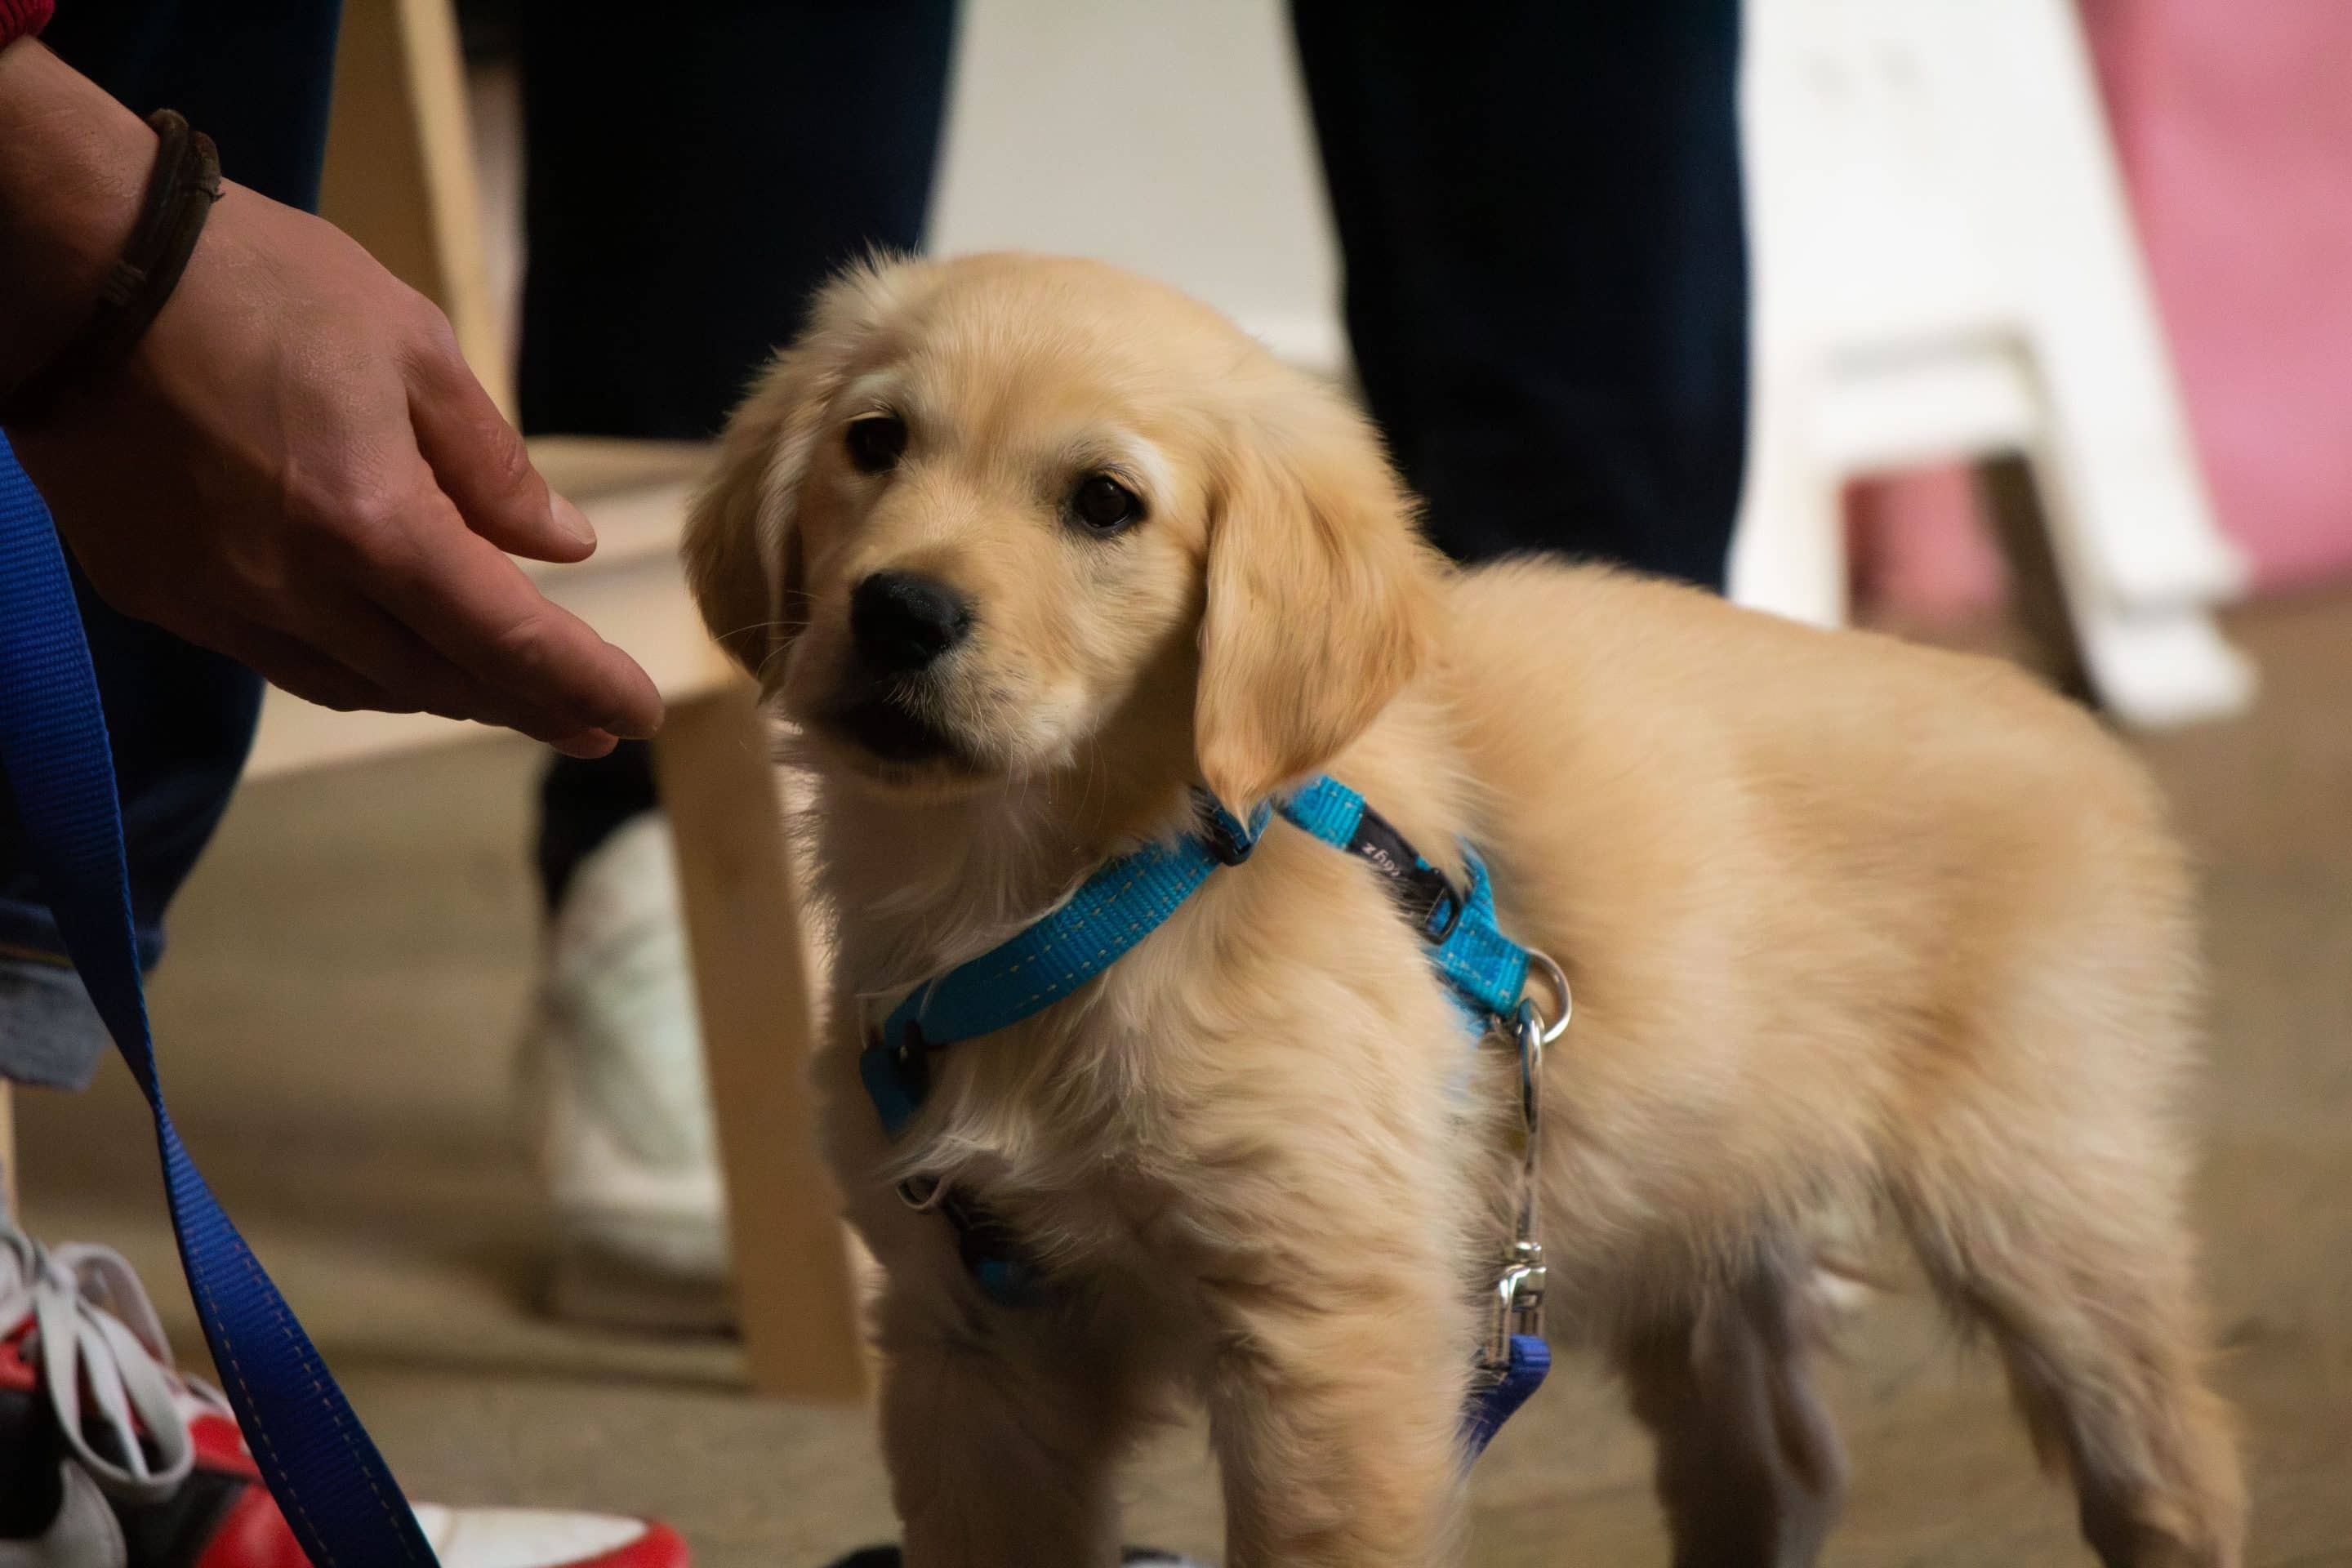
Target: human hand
x: 297, y: 470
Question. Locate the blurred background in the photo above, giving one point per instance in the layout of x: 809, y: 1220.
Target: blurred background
x: 2048, y: 353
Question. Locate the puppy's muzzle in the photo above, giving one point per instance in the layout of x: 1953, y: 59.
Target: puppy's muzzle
x: 901, y: 625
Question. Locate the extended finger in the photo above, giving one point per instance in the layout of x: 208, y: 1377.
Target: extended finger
x: 480, y: 462
x: 289, y: 663
x: 462, y: 596
x: 293, y: 665
x: 397, y: 660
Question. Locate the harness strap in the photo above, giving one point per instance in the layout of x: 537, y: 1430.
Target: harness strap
x: 1126, y: 901
x: 1128, y: 898
x: 1123, y: 902
x: 334, y: 1489
x: 1485, y: 969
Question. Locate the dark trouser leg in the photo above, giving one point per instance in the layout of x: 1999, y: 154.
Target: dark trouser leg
x: 687, y: 193
x: 255, y: 77
x: 580, y: 804
x: 1539, y: 209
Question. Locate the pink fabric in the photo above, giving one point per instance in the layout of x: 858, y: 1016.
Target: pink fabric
x: 1921, y: 547
x: 2233, y: 124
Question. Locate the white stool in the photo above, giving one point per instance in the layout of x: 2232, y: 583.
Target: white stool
x: 1945, y: 269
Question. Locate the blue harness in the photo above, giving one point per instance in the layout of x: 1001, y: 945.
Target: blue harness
x: 1126, y: 901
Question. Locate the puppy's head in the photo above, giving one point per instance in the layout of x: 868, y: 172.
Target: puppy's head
x: 1007, y: 517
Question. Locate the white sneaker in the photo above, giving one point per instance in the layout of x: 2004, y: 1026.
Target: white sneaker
x: 620, y: 1108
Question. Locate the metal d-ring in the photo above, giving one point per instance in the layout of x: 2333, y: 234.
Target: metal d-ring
x: 923, y: 1193
x: 1553, y: 1029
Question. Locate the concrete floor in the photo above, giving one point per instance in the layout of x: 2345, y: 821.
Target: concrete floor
x: 338, y: 1017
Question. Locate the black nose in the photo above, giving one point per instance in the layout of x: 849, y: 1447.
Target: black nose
x: 902, y: 621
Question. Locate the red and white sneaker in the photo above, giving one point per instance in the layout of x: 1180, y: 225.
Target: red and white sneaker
x: 111, y: 1459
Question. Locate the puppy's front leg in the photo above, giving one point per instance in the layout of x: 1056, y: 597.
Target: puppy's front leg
x: 1001, y: 1431
x: 1334, y: 1411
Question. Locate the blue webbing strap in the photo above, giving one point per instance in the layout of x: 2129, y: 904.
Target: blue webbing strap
x: 337, y: 1495
x: 1118, y: 906
x: 1490, y: 1406
x: 1486, y: 969
x: 1128, y: 898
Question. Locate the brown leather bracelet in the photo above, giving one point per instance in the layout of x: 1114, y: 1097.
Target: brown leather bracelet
x: 181, y: 191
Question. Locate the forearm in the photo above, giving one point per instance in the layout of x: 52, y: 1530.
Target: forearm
x: 73, y: 163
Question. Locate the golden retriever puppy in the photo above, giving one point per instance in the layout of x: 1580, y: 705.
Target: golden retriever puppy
x: 1025, y: 550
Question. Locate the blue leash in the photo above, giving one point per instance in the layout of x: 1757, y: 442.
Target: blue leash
x: 1126, y: 901
x: 337, y: 1494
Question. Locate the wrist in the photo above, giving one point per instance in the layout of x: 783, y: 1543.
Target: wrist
x: 73, y: 167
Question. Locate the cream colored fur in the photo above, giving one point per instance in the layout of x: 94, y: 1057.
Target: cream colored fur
x: 1858, y: 932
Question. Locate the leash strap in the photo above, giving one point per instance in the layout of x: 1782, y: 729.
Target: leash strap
x: 337, y: 1494
x: 1489, y: 1407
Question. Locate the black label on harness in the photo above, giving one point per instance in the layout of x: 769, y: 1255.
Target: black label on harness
x: 1421, y: 889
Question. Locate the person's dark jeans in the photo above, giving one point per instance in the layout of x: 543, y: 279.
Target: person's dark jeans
x: 686, y: 194
x: 1538, y: 211
x: 253, y: 75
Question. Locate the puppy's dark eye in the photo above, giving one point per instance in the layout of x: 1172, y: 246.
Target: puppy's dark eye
x: 875, y: 442
x: 1103, y: 505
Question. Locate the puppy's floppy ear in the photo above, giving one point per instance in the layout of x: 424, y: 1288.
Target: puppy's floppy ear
x: 1320, y: 598
x: 742, y: 544
x: 744, y: 556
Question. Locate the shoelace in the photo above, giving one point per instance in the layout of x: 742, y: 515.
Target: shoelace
x: 122, y: 1409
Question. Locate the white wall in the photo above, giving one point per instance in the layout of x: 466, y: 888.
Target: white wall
x: 1169, y: 138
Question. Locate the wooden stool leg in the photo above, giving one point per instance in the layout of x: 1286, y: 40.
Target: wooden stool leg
x: 399, y: 176
x: 795, y: 1297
